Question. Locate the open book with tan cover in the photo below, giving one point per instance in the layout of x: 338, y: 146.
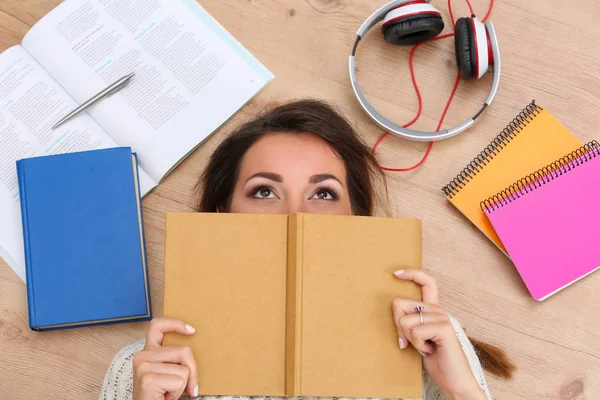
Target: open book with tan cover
x: 293, y: 305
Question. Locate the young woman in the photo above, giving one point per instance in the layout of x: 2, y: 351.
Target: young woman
x: 303, y: 157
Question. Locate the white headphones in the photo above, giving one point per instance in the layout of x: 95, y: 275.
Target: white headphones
x: 408, y: 22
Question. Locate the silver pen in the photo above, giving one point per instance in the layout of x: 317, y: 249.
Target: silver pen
x: 109, y: 91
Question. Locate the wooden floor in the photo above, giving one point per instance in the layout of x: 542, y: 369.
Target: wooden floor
x: 549, y: 53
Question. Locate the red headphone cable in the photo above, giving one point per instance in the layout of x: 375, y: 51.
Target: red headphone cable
x: 418, y: 92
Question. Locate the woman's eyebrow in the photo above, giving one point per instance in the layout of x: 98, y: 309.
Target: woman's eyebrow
x: 322, y: 177
x: 267, y: 175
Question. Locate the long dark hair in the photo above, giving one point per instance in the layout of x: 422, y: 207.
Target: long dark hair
x: 303, y: 117
x: 217, y: 183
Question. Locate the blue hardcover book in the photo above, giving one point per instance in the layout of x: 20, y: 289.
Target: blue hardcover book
x: 84, y: 239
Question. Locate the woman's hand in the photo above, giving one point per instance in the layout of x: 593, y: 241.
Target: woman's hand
x: 435, y: 339
x: 164, y: 373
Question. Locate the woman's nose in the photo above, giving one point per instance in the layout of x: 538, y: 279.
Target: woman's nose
x: 295, y: 206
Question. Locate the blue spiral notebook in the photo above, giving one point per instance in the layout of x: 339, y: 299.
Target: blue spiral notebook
x: 84, y: 241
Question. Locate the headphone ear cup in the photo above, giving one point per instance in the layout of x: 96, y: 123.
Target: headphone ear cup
x: 464, y: 48
x: 413, y: 29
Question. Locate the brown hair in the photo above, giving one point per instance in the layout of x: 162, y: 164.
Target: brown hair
x: 302, y: 117
x: 493, y: 359
x: 218, y: 181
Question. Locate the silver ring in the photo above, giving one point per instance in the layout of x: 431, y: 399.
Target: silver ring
x: 420, y: 311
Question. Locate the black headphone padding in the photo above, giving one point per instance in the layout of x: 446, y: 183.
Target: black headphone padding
x: 464, y: 48
x: 412, y: 30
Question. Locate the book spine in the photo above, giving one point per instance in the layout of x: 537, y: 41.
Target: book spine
x: 26, y: 245
x: 138, y: 191
x: 293, y: 323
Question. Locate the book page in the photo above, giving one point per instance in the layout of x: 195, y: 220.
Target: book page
x: 190, y: 74
x: 346, y: 267
x: 30, y: 103
x: 239, y: 298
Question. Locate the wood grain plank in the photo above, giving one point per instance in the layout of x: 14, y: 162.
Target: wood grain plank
x: 28, y: 12
x: 11, y: 30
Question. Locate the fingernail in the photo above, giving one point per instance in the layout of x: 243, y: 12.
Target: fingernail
x: 399, y: 272
x: 195, y: 389
x: 423, y: 354
x: 402, y: 343
x: 189, y: 328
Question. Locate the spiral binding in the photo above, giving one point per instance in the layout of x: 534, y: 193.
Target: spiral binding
x: 542, y: 176
x: 492, y: 149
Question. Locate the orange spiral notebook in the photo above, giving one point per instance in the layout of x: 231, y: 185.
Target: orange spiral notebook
x: 532, y: 140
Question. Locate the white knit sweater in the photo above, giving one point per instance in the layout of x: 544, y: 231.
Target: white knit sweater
x: 118, y: 382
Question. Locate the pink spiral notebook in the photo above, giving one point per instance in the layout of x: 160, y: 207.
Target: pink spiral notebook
x: 549, y: 222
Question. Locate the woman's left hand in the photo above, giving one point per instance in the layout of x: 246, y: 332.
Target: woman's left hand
x: 435, y: 339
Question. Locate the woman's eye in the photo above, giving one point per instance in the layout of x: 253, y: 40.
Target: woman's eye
x: 323, y: 195
x: 264, y: 193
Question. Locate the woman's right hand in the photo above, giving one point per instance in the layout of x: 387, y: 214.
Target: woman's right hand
x: 433, y: 335
x: 164, y: 373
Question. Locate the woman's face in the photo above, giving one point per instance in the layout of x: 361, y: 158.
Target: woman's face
x: 291, y: 173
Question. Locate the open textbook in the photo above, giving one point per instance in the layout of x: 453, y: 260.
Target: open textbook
x: 191, y: 76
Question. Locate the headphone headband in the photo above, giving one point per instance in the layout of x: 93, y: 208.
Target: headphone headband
x: 390, y: 126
